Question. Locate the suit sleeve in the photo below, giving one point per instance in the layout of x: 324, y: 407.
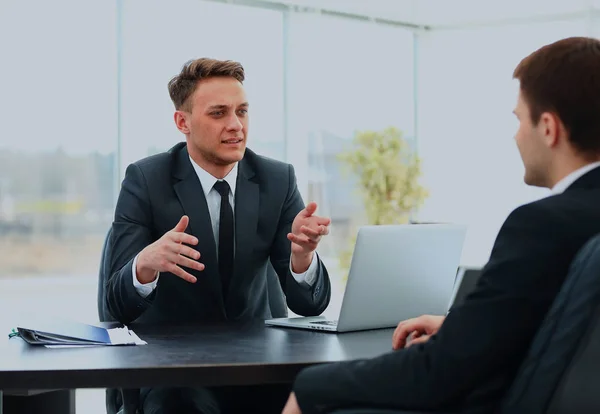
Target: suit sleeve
x: 301, y: 299
x: 131, y: 232
x: 482, y: 340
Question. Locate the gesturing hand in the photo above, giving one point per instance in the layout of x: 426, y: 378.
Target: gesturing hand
x: 421, y: 329
x: 307, y: 230
x: 169, y: 254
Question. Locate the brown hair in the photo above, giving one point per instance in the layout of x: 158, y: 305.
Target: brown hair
x: 182, y: 86
x: 564, y: 78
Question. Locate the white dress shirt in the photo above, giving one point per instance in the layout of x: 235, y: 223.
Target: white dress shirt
x: 213, y: 200
x: 563, y: 184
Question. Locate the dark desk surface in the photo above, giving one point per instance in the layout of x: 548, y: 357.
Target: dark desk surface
x: 186, y: 355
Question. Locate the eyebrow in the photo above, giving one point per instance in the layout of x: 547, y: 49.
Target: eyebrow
x: 213, y: 107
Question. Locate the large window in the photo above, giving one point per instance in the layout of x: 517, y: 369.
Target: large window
x: 158, y: 37
x: 466, y: 127
x: 58, y: 137
x: 594, y: 22
x: 343, y: 76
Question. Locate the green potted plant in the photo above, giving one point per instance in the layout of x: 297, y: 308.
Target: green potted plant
x: 388, y: 173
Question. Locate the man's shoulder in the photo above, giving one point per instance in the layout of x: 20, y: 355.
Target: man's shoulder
x: 569, y: 207
x: 533, y: 209
x: 159, y: 161
x: 266, y: 166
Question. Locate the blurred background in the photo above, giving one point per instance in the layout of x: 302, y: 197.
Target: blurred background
x: 83, y: 93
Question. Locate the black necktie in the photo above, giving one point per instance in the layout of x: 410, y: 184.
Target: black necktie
x: 225, y: 236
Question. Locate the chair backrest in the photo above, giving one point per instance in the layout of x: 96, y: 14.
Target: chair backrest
x: 114, y: 398
x: 103, y: 273
x: 561, y: 373
x: 466, y: 280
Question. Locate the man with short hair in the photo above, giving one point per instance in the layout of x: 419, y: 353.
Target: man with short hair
x: 197, y: 229
x: 466, y: 360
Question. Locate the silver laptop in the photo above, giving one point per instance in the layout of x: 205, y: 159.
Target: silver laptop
x: 397, y: 272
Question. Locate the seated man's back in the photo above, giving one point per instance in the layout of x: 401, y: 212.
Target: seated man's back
x: 530, y: 261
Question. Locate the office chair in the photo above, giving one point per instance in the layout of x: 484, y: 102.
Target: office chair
x: 561, y: 372
x: 118, y: 401
x: 128, y: 399
x: 466, y: 281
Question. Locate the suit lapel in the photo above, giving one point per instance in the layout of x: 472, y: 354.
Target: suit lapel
x: 246, y: 220
x: 191, y: 196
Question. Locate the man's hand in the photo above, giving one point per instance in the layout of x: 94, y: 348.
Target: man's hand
x: 307, y: 230
x: 291, y: 407
x: 419, y: 329
x: 168, y: 254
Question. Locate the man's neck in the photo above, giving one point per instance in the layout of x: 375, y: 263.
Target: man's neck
x: 565, y: 168
x: 216, y: 170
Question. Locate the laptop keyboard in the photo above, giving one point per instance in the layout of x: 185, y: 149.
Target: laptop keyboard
x: 331, y: 323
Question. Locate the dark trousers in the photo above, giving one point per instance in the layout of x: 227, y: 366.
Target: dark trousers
x: 264, y: 399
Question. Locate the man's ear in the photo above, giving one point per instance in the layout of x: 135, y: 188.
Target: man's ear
x: 551, y: 128
x: 181, y: 121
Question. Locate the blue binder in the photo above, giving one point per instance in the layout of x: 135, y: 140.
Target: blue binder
x: 63, y: 333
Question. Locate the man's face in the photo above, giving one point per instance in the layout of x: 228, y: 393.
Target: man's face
x: 217, y: 126
x: 532, y: 144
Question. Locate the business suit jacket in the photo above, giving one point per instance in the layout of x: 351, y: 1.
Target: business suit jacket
x: 157, y: 191
x: 475, y: 355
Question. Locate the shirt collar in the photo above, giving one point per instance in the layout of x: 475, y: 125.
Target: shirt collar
x: 208, y: 181
x: 563, y: 184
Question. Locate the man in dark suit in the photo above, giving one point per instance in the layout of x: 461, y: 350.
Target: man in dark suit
x: 196, y: 228
x: 467, y: 360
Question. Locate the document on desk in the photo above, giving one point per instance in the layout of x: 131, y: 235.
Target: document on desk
x: 61, y: 334
x: 118, y: 336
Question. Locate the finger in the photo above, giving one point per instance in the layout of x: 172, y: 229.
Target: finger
x: 184, y: 250
x: 396, y: 341
x: 178, y: 271
x: 418, y: 340
x: 301, y: 240
x: 404, y: 329
x: 184, y: 238
x: 403, y: 341
x: 323, y: 221
x: 309, y: 210
x: 189, y: 263
x: 399, y: 339
x: 313, y: 235
x: 315, y: 230
x: 182, y: 225
x: 401, y: 333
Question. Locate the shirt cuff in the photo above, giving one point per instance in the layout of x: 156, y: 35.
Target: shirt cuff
x: 309, y: 277
x: 144, y: 290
